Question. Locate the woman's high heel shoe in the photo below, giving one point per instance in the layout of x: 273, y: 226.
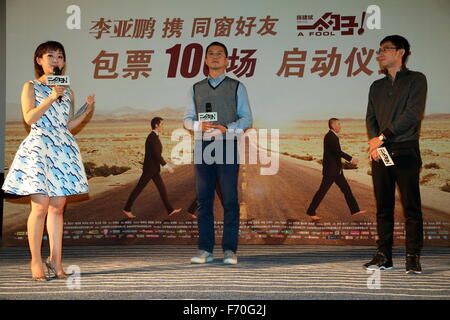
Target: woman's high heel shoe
x: 51, y: 267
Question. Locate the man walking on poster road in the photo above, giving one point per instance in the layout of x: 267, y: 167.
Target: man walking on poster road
x: 153, y: 161
x: 333, y: 173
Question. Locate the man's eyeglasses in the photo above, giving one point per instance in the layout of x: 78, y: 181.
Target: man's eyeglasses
x: 385, y: 48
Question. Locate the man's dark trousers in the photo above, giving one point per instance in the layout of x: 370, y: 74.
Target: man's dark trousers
x: 325, y: 185
x: 226, y: 175
x: 404, y: 172
x: 143, y: 181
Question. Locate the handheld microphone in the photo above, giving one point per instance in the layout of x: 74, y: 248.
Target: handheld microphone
x: 57, y: 72
x: 208, y: 115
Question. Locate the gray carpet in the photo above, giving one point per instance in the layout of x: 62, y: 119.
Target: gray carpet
x: 264, y: 272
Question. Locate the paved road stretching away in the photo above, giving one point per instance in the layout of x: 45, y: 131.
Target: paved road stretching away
x: 281, y: 197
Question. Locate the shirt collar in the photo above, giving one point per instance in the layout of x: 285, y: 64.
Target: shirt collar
x: 215, y: 82
x: 403, y: 70
x: 335, y: 133
x: 156, y: 132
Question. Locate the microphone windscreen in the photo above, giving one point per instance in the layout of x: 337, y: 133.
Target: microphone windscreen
x: 57, y: 72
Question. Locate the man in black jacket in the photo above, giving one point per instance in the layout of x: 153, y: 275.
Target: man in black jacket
x: 394, y: 115
x: 153, y: 161
x: 332, y: 171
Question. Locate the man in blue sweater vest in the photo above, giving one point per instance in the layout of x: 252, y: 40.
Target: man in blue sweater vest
x: 224, y: 102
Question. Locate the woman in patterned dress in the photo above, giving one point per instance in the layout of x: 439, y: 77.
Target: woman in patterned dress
x: 48, y: 164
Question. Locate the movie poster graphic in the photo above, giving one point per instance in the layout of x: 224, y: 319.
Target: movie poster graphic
x: 301, y: 65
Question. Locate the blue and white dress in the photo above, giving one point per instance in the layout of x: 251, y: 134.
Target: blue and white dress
x: 48, y: 160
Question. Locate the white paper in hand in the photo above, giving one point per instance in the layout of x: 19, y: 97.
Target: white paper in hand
x: 81, y: 110
x: 384, y: 155
x: 207, y: 116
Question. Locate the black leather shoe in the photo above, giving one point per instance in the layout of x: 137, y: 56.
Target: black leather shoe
x: 413, y: 264
x: 380, y: 262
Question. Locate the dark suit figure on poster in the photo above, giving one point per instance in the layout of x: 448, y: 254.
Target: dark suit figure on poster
x: 332, y: 171
x: 192, y: 210
x: 153, y: 161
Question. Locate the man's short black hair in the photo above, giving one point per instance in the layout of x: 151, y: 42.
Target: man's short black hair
x: 156, y: 121
x: 216, y: 43
x: 400, y: 43
x: 330, y: 122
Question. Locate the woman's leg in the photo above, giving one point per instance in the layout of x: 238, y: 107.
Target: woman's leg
x: 35, y: 228
x: 55, y: 225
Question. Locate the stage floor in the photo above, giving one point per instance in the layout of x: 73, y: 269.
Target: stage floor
x: 284, y: 272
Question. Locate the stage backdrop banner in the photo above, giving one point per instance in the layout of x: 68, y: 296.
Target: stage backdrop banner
x: 302, y: 63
